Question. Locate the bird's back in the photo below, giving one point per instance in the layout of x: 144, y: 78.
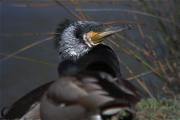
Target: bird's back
x: 103, y: 59
x: 93, y: 84
x: 102, y: 65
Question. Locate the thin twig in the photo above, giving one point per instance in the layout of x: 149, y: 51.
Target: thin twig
x: 122, y: 22
x: 81, y: 13
x: 131, y: 11
x: 143, y: 85
x: 139, y: 75
x: 67, y: 9
x: 26, y: 48
x: 30, y: 60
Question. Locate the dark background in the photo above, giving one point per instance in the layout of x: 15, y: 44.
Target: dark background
x: 25, y: 22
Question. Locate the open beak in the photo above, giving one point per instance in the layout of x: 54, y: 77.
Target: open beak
x: 98, y: 37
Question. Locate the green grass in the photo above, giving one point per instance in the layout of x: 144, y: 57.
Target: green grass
x: 152, y: 109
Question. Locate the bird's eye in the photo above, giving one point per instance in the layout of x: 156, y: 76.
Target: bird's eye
x: 78, y: 34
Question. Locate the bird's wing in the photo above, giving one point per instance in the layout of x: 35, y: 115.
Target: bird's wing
x: 88, y: 89
x: 62, y: 100
x: 33, y: 113
x: 22, y: 106
x: 83, y: 90
x: 75, y: 97
x: 102, y: 58
x: 66, y: 89
x: 130, y: 89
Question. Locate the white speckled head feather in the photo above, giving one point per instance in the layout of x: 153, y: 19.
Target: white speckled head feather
x: 71, y: 46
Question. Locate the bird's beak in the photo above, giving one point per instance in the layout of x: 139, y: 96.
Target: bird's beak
x: 98, y: 37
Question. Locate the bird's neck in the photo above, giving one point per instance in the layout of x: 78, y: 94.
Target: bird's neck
x: 71, y: 52
x: 71, y: 47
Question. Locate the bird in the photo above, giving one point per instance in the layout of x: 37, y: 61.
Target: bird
x: 75, y: 39
x: 90, y: 84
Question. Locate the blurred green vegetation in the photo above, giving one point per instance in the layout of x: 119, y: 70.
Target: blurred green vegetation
x: 164, y: 109
x: 168, y: 32
x: 153, y: 109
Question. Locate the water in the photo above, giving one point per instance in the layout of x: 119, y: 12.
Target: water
x: 23, y: 23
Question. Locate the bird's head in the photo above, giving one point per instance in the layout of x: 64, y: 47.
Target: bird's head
x: 77, y: 38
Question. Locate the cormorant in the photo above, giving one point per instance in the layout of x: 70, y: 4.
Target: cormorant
x: 75, y: 39
x: 90, y: 85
